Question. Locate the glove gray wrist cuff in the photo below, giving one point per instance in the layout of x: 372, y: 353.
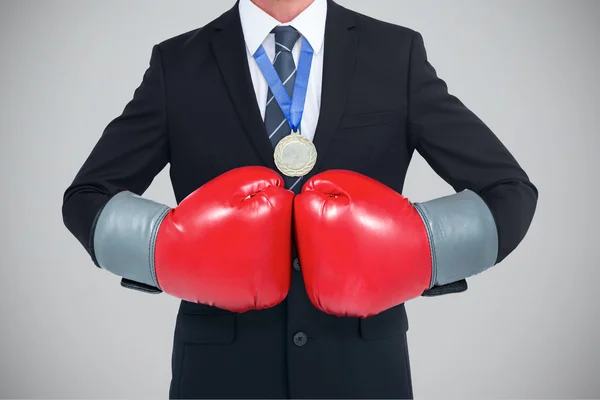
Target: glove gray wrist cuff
x: 125, y: 236
x: 463, y: 236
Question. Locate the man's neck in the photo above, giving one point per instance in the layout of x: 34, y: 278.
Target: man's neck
x: 283, y: 10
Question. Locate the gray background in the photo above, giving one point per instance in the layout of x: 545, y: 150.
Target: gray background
x: 526, y: 329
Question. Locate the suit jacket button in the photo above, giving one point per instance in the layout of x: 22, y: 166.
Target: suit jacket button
x: 300, y: 339
x: 296, y: 264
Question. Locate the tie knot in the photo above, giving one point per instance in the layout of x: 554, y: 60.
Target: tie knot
x: 285, y: 37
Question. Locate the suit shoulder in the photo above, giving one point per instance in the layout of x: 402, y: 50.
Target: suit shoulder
x: 375, y: 26
x: 182, y: 40
x: 196, y: 36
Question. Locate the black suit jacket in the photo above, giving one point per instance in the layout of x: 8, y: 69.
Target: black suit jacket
x: 195, y: 111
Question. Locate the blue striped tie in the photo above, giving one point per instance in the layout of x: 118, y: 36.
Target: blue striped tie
x: 275, y: 122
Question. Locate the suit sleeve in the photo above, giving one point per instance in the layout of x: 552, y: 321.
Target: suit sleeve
x: 131, y: 151
x: 466, y: 154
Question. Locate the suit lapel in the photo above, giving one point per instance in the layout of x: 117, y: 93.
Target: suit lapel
x: 338, y: 66
x: 341, y: 41
x: 229, y: 48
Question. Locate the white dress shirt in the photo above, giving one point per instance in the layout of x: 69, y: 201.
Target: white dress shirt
x: 257, y: 26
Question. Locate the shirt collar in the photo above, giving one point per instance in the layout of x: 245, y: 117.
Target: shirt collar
x: 257, y: 24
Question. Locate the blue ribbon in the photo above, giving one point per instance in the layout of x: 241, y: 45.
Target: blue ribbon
x: 292, y: 108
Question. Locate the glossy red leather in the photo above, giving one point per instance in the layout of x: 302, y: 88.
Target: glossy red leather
x: 229, y: 243
x: 363, y: 247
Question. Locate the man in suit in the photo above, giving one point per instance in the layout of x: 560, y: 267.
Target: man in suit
x: 206, y: 108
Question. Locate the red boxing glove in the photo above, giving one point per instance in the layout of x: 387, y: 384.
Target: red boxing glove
x: 228, y: 244
x: 362, y: 246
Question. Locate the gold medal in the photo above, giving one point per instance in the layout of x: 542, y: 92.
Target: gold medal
x: 295, y: 155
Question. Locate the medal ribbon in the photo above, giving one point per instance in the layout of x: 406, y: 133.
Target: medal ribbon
x: 292, y: 108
